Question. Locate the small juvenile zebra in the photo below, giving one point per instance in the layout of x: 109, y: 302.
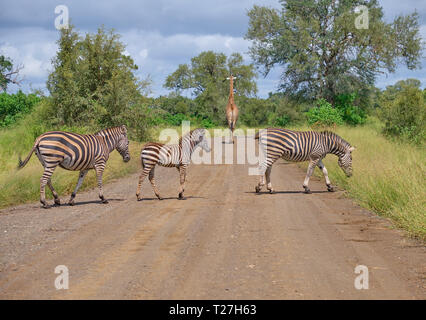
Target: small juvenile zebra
x: 302, y: 146
x: 74, y: 152
x: 176, y: 155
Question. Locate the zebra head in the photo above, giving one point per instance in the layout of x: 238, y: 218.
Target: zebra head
x: 123, y: 144
x: 199, y: 138
x: 345, y: 161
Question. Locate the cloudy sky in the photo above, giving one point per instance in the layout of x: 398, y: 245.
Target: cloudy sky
x: 159, y: 34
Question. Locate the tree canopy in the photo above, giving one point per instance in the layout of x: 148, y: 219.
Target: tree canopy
x: 93, y: 81
x: 323, y: 53
x: 8, y: 73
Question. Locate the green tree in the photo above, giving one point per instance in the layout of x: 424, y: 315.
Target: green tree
x: 93, y: 82
x: 8, y: 73
x: 206, y: 77
x: 403, y: 109
x: 321, y: 51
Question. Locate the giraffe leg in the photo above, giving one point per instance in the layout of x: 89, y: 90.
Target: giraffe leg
x: 145, y: 171
x: 99, y: 172
x: 182, y: 173
x: 47, y: 174
x: 330, y: 188
x: 268, y: 180
x: 311, y: 167
x: 55, y: 194
x: 79, y: 183
x: 154, y: 187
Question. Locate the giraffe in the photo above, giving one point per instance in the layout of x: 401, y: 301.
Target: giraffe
x: 231, y: 108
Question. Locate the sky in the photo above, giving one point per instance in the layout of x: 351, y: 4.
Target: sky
x: 159, y: 35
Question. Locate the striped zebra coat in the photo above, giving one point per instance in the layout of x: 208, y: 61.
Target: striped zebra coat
x: 176, y: 155
x: 302, y: 146
x: 81, y: 152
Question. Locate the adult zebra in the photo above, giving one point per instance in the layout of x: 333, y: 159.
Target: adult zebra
x: 74, y: 152
x: 302, y: 146
x: 175, y: 155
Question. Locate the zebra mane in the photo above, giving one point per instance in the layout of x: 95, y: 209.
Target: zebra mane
x: 336, y: 138
x: 112, y: 129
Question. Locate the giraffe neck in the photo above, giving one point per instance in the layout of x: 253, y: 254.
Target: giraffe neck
x: 231, y: 90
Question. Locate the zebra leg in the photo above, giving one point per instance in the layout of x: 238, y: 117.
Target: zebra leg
x: 79, y: 183
x: 182, y: 172
x: 99, y: 172
x: 311, y: 168
x: 327, y: 180
x: 262, y: 169
x: 145, y: 172
x: 154, y: 187
x: 268, y: 180
x: 47, y: 174
x: 55, y: 195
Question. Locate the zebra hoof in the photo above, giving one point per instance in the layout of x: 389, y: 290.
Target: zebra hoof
x: 160, y: 198
x: 330, y: 188
x: 45, y: 206
x: 257, y: 189
x: 104, y: 201
x: 307, y: 190
x: 271, y: 191
x: 71, y: 202
x: 139, y: 199
x: 57, y: 202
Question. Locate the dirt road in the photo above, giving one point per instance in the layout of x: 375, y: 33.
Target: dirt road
x: 223, y: 242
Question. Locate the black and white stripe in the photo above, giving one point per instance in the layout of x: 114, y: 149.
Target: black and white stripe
x: 302, y: 146
x: 74, y: 152
x: 176, y: 155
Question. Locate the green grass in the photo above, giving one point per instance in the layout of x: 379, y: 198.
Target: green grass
x: 389, y: 177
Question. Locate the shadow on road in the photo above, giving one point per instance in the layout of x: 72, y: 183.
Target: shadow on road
x: 285, y: 192
x: 170, y: 198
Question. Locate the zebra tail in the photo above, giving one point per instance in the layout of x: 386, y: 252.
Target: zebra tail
x: 23, y: 163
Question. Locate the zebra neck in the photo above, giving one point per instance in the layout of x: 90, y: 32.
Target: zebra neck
x: 109, y: 140
x: 336, y: 148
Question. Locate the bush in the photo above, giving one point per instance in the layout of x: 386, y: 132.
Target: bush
x: 404, y: 113
x: 324, y: 115
x: 14, y: 106
x: 351, y: 114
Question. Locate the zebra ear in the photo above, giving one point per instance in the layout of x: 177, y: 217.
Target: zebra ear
x: 352, y: 149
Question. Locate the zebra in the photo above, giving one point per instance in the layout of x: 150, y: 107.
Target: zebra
x: 302, y: 146
x: 73, y: 151
x: 176, y: 155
